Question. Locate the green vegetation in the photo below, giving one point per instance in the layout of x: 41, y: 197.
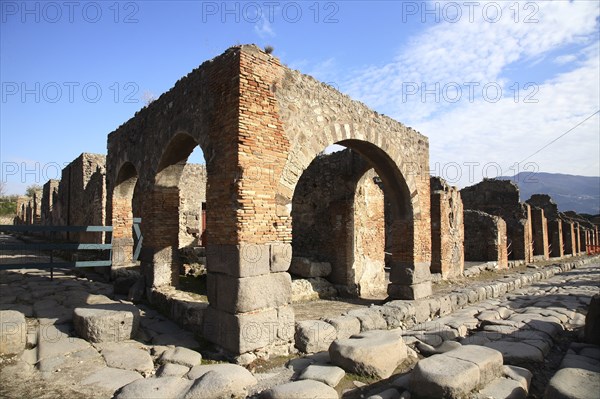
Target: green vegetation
x: 8, y: 205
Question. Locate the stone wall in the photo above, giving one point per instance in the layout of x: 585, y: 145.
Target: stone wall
x: 192, y: 195
x: 50, y: 192
x: 447, y: 229
x: 80, y: 198
x: 22, y: 202
x: 338, y: 213
x: 485, y: 238
x: 554, y: 222
x: 501, y: 198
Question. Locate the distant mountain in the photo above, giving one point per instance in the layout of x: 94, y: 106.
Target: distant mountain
x: 572, y: 193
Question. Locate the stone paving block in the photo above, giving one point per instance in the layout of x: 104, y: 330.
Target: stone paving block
x: 488, y: 360
x: 220, y: 381
x: 53, y: 342
x: 111, y: 379
x: 126, y: 357
x: 517, y: 353
x: 106, y: 322
x: 305, y: 389
x: 371, y: 353
x: 580, y: 362
x: 443, y: 376
x: 172, y: 370
x: 314, y: 335
x: 370, y: 319
x: 346, y: 326
x: 155, y: 388
x: 446, y: 346
x: 573, y: 383
x: 504, y: 388
x: 519, y: 374
x: 13, y: 332
x: 330, y: 375
x: 180, y: 355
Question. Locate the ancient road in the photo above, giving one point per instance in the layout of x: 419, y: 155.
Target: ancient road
x: 537, y: 327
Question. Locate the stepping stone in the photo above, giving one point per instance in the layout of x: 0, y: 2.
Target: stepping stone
x: 488, y: 360
x: 314, y: 336
x: 305, y: 389
x: 330, y: 375
x: 517, y: 353
x: 155, y: 388
x: 217, y: 381
x: 504, y: 388
x: 372, y: 353
x: 180, y: 355
x: 13, y: 332
x: 573, y: 383
x: 441, y: 376
x: 127, y: 358
x: 111, y: 379
x: 172, y: 370
x: 107, y: 322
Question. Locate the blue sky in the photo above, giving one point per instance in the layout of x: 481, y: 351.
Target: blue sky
x: 489, y: 83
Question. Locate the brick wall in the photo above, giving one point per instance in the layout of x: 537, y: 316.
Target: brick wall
x: 485, y: 238
x: 539, y: 225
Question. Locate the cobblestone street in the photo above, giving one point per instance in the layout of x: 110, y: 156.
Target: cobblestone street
x: 537, y: 327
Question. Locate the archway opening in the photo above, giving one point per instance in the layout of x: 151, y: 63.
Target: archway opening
x: 179, y: 217
x: 351, y: 222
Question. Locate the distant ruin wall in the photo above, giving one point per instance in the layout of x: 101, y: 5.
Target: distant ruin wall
x: 485, y: 238
x: 501, y: 198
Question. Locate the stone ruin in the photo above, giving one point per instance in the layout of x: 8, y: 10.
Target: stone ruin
x: 501, y: 198
x: 269, y: 206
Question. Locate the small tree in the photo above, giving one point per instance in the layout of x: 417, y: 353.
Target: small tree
x: 2, y: 189
x: 32, y: 189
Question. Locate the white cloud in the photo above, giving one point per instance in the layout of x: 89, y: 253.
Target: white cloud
x: 476, y: 130
x: 264, y: 29
x: 565, y: 59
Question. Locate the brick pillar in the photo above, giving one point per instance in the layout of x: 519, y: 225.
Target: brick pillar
x: 539, y: 225
x: 249, y: 287
x: 555, y: 235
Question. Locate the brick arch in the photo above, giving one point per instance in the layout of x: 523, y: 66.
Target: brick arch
x: 380, y: 152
